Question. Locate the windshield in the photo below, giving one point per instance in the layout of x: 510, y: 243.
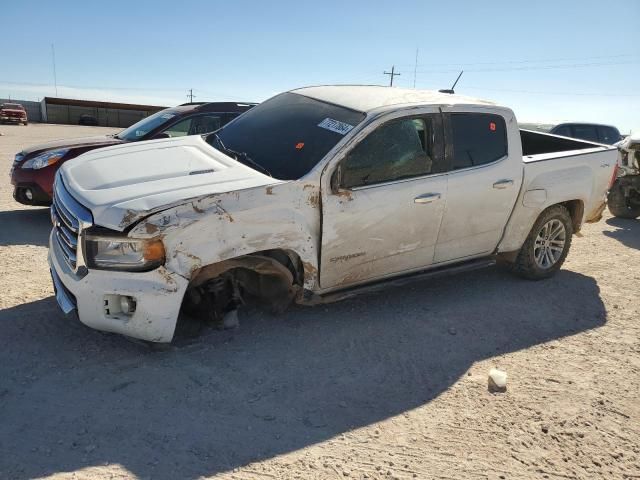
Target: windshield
x: 287, y: 135
x: 144, y: 126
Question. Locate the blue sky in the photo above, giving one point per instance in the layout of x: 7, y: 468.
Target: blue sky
x: 550, y: 61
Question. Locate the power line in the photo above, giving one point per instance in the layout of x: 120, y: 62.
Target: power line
x: 190, y: 95
x: 55, y: 77
x: 548, y: 60
x: 95, y: 87
x: 582, y: 94
x: 391, y: 75
x: 539, y: 67
x: 415, y: 69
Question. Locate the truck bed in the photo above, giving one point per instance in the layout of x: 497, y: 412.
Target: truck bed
x: 539, y: 146
x: 556, y: 170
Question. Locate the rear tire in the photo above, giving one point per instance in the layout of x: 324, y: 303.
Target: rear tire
x: 547, y: 246
x: 619, y: 205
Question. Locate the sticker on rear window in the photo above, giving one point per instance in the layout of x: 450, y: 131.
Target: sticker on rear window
x: 167, y: 115
x: 335, y: 126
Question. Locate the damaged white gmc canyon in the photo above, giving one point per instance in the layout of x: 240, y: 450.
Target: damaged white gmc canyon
x: 316, y: 194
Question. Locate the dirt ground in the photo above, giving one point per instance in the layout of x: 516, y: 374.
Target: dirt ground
x: 382, y: 386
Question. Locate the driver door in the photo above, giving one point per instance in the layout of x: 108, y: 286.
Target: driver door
x: 382, y: 214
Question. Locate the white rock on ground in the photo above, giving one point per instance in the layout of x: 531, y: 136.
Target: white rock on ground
x: 497, y: 380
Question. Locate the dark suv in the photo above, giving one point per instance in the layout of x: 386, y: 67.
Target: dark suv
x: 34, y: 168
x: 591, y: 132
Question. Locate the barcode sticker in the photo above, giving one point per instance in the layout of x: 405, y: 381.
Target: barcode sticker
x: 335, y: 126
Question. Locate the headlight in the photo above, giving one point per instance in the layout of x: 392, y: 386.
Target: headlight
x: 45, y: 159
x: 129, y: 254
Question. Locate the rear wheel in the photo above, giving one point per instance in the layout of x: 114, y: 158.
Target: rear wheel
x: 546, y: 248
x: 621, y: 206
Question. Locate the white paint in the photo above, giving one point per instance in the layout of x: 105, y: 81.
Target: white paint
x: 144, y: 176
x: 367, y: 234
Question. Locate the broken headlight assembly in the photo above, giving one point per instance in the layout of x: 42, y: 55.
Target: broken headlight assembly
x: 123, y: 253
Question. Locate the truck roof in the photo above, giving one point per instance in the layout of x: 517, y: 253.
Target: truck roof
x: 365, y: 98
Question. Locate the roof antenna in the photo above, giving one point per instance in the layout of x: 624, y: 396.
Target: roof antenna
x: 450, y: 90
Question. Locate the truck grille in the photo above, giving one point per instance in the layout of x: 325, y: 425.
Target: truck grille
x: 69, y: 219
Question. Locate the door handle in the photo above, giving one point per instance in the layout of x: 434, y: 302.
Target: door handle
x: 500, y: 184
x: 427, y: 198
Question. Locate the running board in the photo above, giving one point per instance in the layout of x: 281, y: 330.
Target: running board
x: 378, y: 286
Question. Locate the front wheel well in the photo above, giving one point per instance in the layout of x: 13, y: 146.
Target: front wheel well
x: 269, y: 278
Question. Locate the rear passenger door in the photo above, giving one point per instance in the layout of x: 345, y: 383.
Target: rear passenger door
x: 483, y: 182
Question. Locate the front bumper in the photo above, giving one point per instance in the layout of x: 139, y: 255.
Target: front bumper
x: 38, y: 196
x: 39, y: 181
x: 158, y: 295
x: 13, y: 119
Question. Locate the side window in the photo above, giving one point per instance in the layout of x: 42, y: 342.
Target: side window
x: 205, y: 124
x: 398, y: 149
x: 478, y: 139
x: 586, y: 132
x: 179, y: 129
x: 609, y: 135
x: 564, y: 131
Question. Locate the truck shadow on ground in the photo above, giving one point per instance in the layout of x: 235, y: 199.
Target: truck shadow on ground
x: 627, y: 231
x: 30, y: 226
x: 73, y: 398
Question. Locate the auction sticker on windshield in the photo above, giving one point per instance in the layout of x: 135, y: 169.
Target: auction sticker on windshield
x: 335, y: 126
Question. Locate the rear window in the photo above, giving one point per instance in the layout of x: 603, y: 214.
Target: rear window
x: 478, y: 139
x: 12, y: 106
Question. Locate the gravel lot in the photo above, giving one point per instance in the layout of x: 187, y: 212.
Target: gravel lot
x: 383, y: 386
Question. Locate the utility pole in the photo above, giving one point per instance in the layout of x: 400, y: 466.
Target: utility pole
x: 392, y: 74
x: 415, y: 69
x: 55, y: 78
x: 190, y: 95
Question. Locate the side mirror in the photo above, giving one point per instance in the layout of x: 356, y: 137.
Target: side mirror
x: 336, y: 179
x: 160, y: 135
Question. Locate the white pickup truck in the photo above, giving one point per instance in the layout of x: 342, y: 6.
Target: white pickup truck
x: 313, y: 195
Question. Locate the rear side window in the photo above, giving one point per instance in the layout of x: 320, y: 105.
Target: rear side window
x: 609, y: 135
x: 564, y: 131
x: 586, y: 132
x: 204, y: 124
x: 478, y: 139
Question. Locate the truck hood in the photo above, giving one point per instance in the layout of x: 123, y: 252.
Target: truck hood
x: 125, y: 183
x: 99, y: 141
x: 12, y: 110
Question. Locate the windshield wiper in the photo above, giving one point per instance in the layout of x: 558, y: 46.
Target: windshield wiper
x: 242, y: 157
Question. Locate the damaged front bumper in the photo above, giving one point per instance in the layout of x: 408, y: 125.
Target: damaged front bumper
x: 156, y: 297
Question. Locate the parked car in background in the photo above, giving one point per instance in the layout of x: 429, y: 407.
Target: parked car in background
x: 592, y: 132
x: 312, y: 196
x: 34, y: 168
x: 624, y: 195
x: 13, y: 113
x: 88, y: 120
